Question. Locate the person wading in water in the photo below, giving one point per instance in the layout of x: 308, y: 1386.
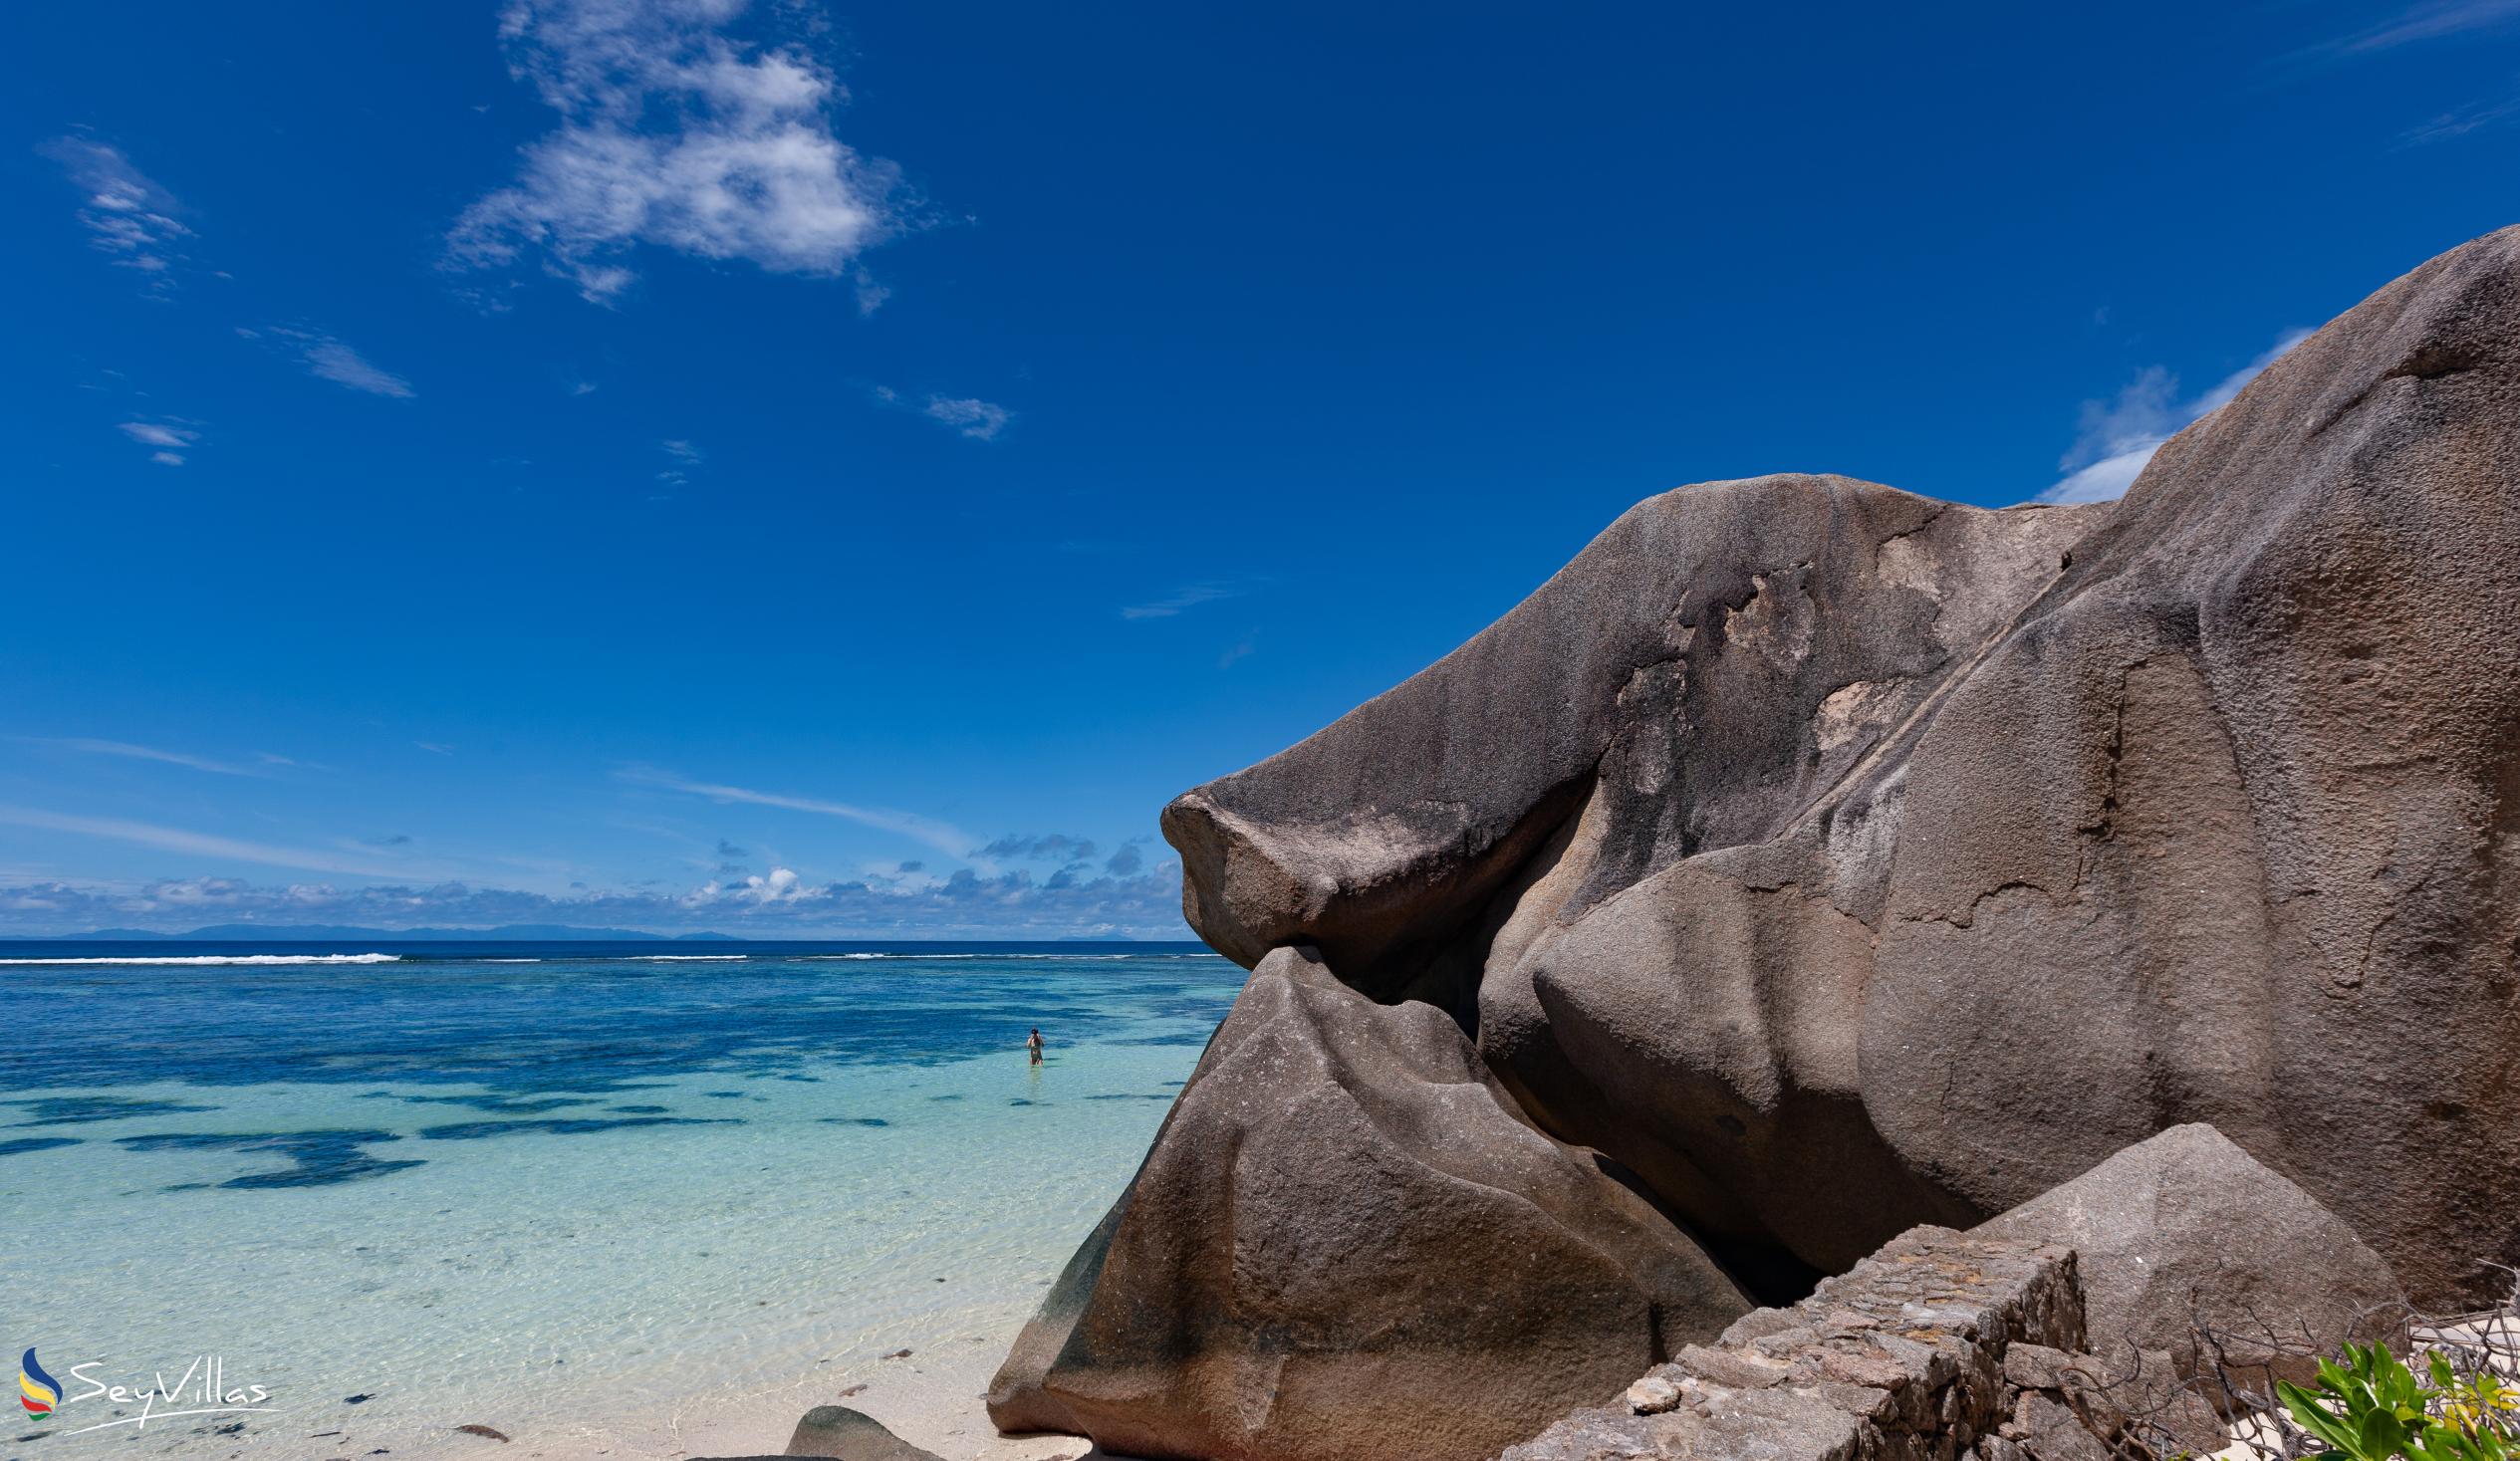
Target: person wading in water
x: 1034, y: 1044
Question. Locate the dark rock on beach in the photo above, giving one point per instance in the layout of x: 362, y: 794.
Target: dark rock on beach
x: 837, y: 1432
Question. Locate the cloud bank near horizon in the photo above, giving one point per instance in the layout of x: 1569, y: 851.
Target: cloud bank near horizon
x: 779, y: 904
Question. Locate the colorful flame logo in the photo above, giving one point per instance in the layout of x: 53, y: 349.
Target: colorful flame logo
x: 36, y: 1391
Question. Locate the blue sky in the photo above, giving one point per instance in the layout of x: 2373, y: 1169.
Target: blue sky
x: 797, y: 467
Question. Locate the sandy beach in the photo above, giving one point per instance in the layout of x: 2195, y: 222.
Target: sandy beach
x: 931, y: 1399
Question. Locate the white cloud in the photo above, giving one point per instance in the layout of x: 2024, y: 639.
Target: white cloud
x: 1189, y: 595
x: 89, y: 747
x: 2118, y: 437
x: 978, y: 420
x: 781, y: 887
x: 2428, y: 20
x: 176, y: 840
x: 127, y: 216
x: 686, y: 457
x: 334, y: 361
x: 674, y: 135
x: 172, y: 440
x: 871, y: 293
x: 2450, y: 124
x: 327, y: 358
x: 943, y: 836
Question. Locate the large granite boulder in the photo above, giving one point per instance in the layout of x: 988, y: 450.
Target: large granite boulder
x: 1836, y: 861
x: 1839, y: 861
x: 1346, y: 1244
x: 2194, y: 1255
x: 1591, y: 834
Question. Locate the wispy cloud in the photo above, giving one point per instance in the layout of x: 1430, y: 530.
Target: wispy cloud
x: 675, y: 135
x: 2458, y: 124
x: 153, y: 433
x: 2119, y: 436
x: 330, y: 360
x: 171, y: 438
x: 2428, y: 20
x: 1189, y: 595
x: 684, y: 459
x: 327, y: 359
x: 981, y: 420
x: 128, y: 751
x: 204, y: 845
x: 943, y: 836
x: 871, y: 293
x: 128, y: 218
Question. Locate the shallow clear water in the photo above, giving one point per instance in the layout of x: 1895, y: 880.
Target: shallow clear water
x: 562, y: 1193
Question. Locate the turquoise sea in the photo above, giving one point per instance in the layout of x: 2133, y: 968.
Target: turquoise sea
x: 623, y: 1200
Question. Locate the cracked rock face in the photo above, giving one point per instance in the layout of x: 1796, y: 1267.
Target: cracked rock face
x: 1835, y: 860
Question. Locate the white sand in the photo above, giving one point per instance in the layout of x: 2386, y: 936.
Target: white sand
x: 930, y: 1399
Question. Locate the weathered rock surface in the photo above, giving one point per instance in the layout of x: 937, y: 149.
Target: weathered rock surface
x: 1904, y: 1358
x: 843, y: 1434
x: 837, y: 1434
x: 2187, y: 1242
x: 1838, y: 860
x: 1346, y: 1243
x: 2047, y: 1335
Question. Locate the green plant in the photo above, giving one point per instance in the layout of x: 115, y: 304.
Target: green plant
x: 2475, y: 1403
x: 2374, y: 1408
